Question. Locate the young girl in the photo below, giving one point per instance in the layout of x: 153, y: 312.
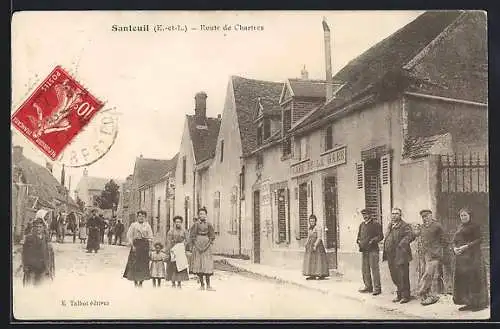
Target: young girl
x: 157, y: 268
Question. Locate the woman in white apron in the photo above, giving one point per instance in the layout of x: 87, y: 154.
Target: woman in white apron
x: 177, y: 265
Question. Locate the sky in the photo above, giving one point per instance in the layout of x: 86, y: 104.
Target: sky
x: 151, y: 77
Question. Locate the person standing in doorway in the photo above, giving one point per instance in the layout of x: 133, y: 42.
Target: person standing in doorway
x: 397, y: 253
x: 203, y: 235
x: 432, y: 242
x: 470, y: 286
x: 177, y: 265
x: 140, y: 237
x: 315, y: 264
x: 93, y: 227
x: 369, y: 236
x: 119, y: 228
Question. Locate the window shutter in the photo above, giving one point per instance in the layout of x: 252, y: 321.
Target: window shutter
x: 386, y: 187
x: 294, y: 151
x: 287, y: 207
x: 360, y: 175
x: 308, y: 148
x: 322, y: 145
x: 274, y: 216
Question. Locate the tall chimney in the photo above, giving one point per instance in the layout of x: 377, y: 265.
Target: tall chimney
x: 49, y: 167
x: 17, y: 153
x: 63, y: 175
x: 85, y: 172
x: 328, y: 61
x: 200, y: 109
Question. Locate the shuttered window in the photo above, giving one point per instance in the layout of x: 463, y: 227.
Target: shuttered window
x: 303, y: 210
x: 328, y: 138
x: 184, y: 170
x: 359, y: 175
x: 282, y: 215
x: 217, y: 212
x: 385, y: 169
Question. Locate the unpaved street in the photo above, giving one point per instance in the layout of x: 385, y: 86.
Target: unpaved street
x: 90, y: 286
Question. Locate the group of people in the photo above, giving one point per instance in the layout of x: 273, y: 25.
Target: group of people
x: 95, y: 228
x: 184, y: 252
x: 469, y: 282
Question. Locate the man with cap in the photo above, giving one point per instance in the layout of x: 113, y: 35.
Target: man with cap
x: 37, y: 253
x: 432, y: 241
x: 369, y: 235
x: 397, y: 253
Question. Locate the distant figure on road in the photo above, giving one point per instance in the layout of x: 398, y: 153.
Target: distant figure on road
x: 315, y: 265
x: 157, y: 267
x: 61, y: 227
x: 82, y: 231
x: 177, y: 265
x: 37, y: 253
x: 93, y: 227
x: 202, y: 236
x: 139, y: 236
x: 110, y: 232
x: 102, y: 227
x: 397, y: 253
x: 369, y: 235
x: 119, y: 229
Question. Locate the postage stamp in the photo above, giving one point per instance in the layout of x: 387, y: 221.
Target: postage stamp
x: 56, y: 112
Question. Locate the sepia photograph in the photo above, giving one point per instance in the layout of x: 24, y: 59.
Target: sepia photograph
x: 250, y: 165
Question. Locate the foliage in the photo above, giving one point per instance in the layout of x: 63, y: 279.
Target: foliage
x: 109, y: 196
x: 80, y: 203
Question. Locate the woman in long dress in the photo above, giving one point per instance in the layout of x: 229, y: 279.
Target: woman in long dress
x: 82, y: 231
x: 37, y: 253
x: 202, y: 236
x: 470, y: 285
x: 315, y: 264
x: 93, y: 242
x: 140, y: 237
x: 177, y: 265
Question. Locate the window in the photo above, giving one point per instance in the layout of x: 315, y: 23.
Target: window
x: 242, y: 183
x: 217, y: 212
x: 234, y: 211
x: 267, y: 128
x: 259, y: 161
x: 282, y: 204
x: 184, y: 170
x: 158, y: 217
x: 221, y: 151
x: 329, y: 138
x: 259, y: 135
x: 304, y: 148
x: 287, y: 123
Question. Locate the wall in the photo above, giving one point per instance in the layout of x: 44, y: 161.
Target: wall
x: 224, y: 176
x: 302, y: 106
x: 160, y: 219
x: 183, y: 190
x: 468, y: 124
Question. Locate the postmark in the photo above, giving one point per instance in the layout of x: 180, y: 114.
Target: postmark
x: 56, y: 112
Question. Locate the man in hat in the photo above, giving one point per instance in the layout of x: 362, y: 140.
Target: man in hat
x: 432, y: 241
x: 93, y: 226
x: 37, y: 254
x: 119, y: 229
x: 369, y: 235
x: 397, y: 253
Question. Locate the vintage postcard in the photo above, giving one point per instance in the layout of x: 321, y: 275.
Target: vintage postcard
x: 250, y: 165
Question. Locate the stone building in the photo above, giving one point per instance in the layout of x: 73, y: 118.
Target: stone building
x: 89, y: 188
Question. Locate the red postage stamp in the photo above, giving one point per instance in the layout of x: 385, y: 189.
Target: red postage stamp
x: 56, y: 112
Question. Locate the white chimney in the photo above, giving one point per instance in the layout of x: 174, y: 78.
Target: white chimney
x: 304, y: 74
x: 328, y: 61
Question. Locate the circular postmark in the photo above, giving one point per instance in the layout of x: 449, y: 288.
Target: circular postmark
x: 94, y: 141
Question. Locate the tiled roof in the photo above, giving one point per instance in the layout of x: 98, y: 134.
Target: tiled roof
x: 385, y: 60
x: 42, y: 183
x: 246, y: 92
x: 149, y: 169
x: 309, y: 88
x: 169, y: 167
x: 456, y: 69
x: 204, y: 140
x: 421, y: 146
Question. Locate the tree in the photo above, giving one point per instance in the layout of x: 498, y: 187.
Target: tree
x: 80, y: 203
x: 109, y: 197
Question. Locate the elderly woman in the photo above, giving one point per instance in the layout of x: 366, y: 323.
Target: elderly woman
x: 470, y: 285
x: 140, y: 237
x: 202, y: 236
x: 177, y: 265
x: 37, y: 253
x: 315, y: 264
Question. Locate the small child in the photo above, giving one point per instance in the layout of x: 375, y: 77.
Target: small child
x: 157, y: 268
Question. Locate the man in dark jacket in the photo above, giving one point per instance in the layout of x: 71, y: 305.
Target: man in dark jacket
x: 36, y: 255
x: 397, y: 253
x: 93, y: 226
x: 119, y: 228
x: 432, y: 241
x: 369, y: 235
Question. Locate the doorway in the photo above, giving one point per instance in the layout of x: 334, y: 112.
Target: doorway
x: 256, y: 227
x: 303, y: 221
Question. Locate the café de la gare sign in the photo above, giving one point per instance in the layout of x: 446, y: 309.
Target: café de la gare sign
x: 329, y: 159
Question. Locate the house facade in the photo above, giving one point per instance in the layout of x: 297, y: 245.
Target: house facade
x: 381, y: 141
x: 89, y: 188
x: 196, y: 153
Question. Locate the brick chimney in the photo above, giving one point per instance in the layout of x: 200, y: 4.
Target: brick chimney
x: 49, y: 167
x: 200, y: 109
x: 328, y: 61
x: 304, y: 75
x: 17, y: 153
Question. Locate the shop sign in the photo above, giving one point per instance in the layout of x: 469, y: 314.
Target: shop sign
x: 331, y: 159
